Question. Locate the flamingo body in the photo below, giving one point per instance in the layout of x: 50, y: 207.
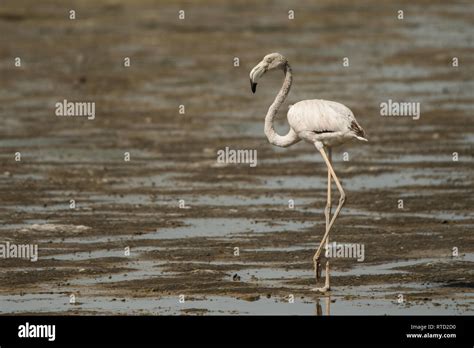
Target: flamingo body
x: 326, y: 121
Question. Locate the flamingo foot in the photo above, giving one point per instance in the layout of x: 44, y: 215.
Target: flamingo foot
x: 323, y: 290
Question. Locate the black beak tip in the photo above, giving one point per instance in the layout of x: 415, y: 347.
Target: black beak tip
x: 253, y: 86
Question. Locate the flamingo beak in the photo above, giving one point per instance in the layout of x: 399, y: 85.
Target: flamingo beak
x: 253, y: 86
x: 255, y: 75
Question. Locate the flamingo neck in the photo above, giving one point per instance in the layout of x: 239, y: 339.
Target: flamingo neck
x: 273, y: 137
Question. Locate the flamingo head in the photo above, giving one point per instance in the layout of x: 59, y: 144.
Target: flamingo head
x: 271, y: 61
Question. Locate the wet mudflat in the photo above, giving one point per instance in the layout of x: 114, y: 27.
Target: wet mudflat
x: 190, y: 250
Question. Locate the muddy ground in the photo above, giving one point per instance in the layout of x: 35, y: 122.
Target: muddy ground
x: 190, y: 251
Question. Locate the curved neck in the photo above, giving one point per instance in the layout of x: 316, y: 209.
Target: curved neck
x: 273, y: 137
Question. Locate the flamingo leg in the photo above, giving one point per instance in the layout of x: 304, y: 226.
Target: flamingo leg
x: 327, y: 214
x: 342, y: 199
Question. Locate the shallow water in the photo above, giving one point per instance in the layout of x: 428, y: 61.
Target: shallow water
x: 218, y: 227
x: 218, y: 305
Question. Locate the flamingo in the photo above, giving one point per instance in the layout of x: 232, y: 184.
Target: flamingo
x: 322, y: 123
